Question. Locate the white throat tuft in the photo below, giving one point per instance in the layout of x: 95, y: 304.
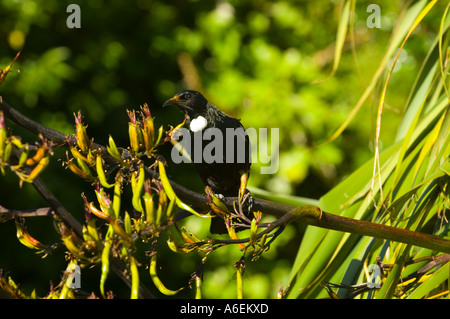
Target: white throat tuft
x: 198, y: 124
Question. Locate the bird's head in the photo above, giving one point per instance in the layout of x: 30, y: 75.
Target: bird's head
x: 192, y: 102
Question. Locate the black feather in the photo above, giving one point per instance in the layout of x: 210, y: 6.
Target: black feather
x: 222, y: 177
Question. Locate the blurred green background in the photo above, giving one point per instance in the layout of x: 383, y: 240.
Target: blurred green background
x: 266, y: 62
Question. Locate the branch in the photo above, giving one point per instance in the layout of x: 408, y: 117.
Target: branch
x: 58, y: 208
x: 308, y: 216
x: 303, y: 214
x: 32, y: 126
x: 7, y: 214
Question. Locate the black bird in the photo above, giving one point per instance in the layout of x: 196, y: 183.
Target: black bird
x: 223, y: 177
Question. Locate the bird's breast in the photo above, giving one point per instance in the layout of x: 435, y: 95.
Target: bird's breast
x: 198, y: 124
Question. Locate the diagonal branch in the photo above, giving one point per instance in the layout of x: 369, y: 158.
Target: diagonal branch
x: 32, y: 126
x: 287, y: 213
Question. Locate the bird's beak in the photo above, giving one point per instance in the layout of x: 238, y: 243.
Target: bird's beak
x: 172, y: 101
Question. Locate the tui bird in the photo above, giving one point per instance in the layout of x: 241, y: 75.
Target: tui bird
x: 222, y: 177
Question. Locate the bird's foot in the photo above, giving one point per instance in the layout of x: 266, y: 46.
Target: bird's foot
x: 244, y: 207
x: 246, y: 201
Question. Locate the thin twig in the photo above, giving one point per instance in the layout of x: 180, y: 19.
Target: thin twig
x: 7, y: 214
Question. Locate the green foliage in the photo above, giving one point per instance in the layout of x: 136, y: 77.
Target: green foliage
x: 406, y: 187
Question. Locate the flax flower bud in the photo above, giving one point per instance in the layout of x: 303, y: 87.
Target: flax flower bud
x: 81, y: 134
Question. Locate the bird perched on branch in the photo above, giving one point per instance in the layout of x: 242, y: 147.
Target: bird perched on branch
x: 227, y: 171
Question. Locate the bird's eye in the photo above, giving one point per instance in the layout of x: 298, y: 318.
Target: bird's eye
x: 186, y: 96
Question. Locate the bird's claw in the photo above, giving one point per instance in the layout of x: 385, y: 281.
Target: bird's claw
x: 246, y: 200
